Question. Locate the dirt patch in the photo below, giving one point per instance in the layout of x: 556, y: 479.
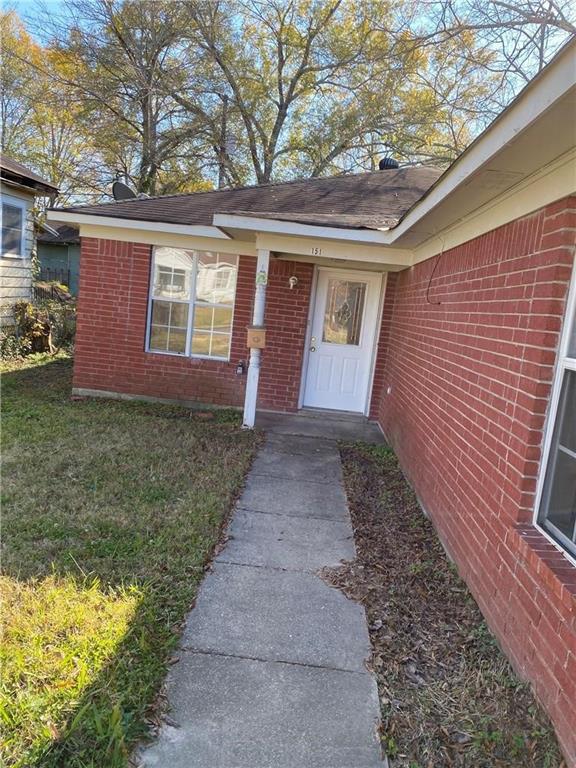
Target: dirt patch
x: 448, y: 695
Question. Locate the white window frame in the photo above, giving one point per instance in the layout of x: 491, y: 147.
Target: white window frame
x: 192, y: 303
x: 563, y: 364
x: 16, y: 202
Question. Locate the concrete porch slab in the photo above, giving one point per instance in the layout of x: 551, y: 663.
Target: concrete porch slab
x: 277, y: 616
x: 292, y: 543
x: 300, y: 498
x: 241, y: 713
x: 330, y: 425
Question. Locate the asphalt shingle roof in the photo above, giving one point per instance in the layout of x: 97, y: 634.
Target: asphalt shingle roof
x: 360, y: 201
x: 11, y: 170
x: 65, y: 235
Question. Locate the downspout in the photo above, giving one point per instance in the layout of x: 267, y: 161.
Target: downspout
x: 251, y: 395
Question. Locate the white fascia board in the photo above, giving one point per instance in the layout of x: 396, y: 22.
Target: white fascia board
x: 275, y: 226
x: 14, y: 188
x: 69, y: 217
x: 552, y: 83
x: 167, y: 239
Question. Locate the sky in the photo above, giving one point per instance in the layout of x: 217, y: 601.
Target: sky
x: 26, y: 8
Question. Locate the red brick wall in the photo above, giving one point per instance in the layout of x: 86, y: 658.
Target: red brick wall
x: 112, y: 310
x: 286, y: 320
x: 468, y: 346
x: 382, y: 345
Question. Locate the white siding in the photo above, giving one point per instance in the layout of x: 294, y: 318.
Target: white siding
x: 16, y: 273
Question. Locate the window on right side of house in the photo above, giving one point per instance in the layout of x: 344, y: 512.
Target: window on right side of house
x: 557, y: 507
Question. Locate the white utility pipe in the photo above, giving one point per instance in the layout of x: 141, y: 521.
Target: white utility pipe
x: 251, y: 395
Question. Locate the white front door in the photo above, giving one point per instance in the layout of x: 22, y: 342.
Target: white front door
x: 342, y: 340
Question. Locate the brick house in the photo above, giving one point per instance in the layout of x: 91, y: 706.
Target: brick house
x: 441, y: 306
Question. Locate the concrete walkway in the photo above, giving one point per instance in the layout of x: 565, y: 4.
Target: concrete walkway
x: 271, y: 671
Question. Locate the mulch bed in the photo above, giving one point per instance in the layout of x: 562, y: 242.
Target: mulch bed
x: 448, y: 695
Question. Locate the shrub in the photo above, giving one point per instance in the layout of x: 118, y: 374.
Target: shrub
x: 13, y: 347
x: 62, y: 319
x: 32, y: 324
x: 44, y: 326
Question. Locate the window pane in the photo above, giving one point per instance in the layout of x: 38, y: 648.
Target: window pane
x: 179, y: 315
x: 12, y: 226
x: 170, y: 313
x: 562, y: 504
x: 11, y: 216
x: 216, y: 278
x: 169, y: 326
x: 161, y: 313
x: 11, y: 240
x: 159, y: 338
x: 343, y: 313
x: 203, y: 318
x: 220, y: 345
x: 222, y: 320
x: 565, y: 418
x: 559, y: 495
x: 572, y: 337
x: 200, y: 343
x: 173, y: 273
x: 177, y: 340
x: 213, y: 319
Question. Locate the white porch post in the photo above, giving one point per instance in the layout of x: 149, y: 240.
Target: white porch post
x: 255, y: 354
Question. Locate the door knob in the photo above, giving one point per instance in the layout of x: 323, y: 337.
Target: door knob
x: 312, y: 349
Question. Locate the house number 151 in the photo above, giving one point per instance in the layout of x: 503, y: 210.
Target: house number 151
x: 316, y: 251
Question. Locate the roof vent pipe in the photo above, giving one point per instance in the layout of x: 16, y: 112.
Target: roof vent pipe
x: 387, y: 163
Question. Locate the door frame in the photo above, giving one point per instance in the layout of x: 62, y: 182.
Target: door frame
x: 308, y: 336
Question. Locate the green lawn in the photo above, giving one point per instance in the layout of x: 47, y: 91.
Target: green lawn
x: 110, y: 513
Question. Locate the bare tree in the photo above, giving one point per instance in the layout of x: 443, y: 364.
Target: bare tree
x: 512, y: 40
x: 179, y: 93
x: 119, y: 52
x: 305, y: 85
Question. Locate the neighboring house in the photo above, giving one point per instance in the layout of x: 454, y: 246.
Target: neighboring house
x: 440, y: 305
x: 19, y: 187
x: 59, y: 255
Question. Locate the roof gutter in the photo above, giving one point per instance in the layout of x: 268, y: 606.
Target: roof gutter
x: 276, y: 226
x: 66, y: 217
